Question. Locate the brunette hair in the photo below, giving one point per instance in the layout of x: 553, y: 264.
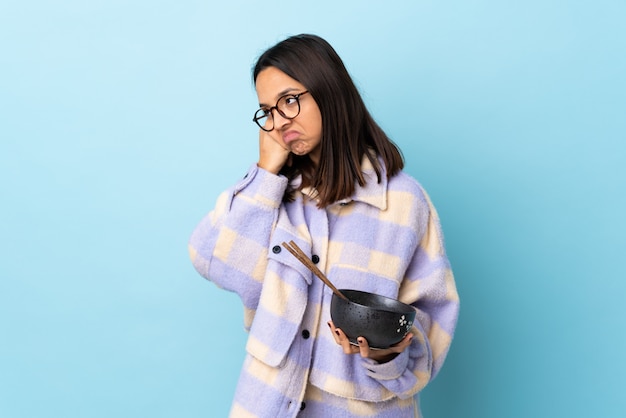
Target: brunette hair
x: 348, y: 130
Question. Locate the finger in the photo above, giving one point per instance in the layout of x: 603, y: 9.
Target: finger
x: 364, y: 347
x: 402, y: 345
x: 406, y: 341
x: 344, y: 341
x: 338, y: 335
x: 348, y: 347
x: 268, y: 138
x: 334, y: 332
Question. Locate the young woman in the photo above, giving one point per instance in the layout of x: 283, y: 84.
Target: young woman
x: 329, y: 179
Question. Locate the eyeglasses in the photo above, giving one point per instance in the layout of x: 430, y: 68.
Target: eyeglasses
x: 288, y: 106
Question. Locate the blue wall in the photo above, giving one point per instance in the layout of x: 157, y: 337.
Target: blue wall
x: 120, y: 122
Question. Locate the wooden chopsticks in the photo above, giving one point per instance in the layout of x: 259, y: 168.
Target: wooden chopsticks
x: 293, y: 248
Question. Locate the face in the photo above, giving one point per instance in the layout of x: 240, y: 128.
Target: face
x: 301, y: 135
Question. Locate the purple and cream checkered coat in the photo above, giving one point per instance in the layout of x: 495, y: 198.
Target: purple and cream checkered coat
x: 385, y: 239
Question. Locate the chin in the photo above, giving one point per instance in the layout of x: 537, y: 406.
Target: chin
x: 300, y: 151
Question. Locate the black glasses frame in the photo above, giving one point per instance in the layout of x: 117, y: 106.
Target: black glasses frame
x: 267, y: 113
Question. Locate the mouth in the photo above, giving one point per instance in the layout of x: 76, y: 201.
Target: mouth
x: 290, y: 136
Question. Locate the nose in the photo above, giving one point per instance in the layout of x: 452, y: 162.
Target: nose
x: 279, y: 120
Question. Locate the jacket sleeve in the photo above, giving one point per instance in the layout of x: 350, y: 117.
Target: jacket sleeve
x: 428, y: 286
x: 229, y: 246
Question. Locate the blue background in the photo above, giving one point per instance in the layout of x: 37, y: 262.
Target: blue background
x: 120, y: 122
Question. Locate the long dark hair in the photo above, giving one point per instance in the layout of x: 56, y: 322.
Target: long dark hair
x: 348, y: 130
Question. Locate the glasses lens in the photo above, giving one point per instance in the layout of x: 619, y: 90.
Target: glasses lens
x: 289, y: 106
x: 263, y: 119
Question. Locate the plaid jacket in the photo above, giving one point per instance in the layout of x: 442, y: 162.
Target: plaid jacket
x: 385, y: 239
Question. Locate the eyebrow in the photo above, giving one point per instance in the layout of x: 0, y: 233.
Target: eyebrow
x: 281, y: 94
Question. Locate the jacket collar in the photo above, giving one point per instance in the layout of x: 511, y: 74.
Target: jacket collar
x: 373, y: 193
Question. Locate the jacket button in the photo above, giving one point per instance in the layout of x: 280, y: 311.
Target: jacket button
x: 276, y: 249
x: 315, y: 259
x: 306, y: 334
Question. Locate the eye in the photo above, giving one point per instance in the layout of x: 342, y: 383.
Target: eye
x: 291, y: 100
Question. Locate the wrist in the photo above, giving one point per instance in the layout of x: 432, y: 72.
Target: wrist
x: 268, y: 167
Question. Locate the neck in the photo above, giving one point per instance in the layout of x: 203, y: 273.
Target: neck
x: 315, y: 156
